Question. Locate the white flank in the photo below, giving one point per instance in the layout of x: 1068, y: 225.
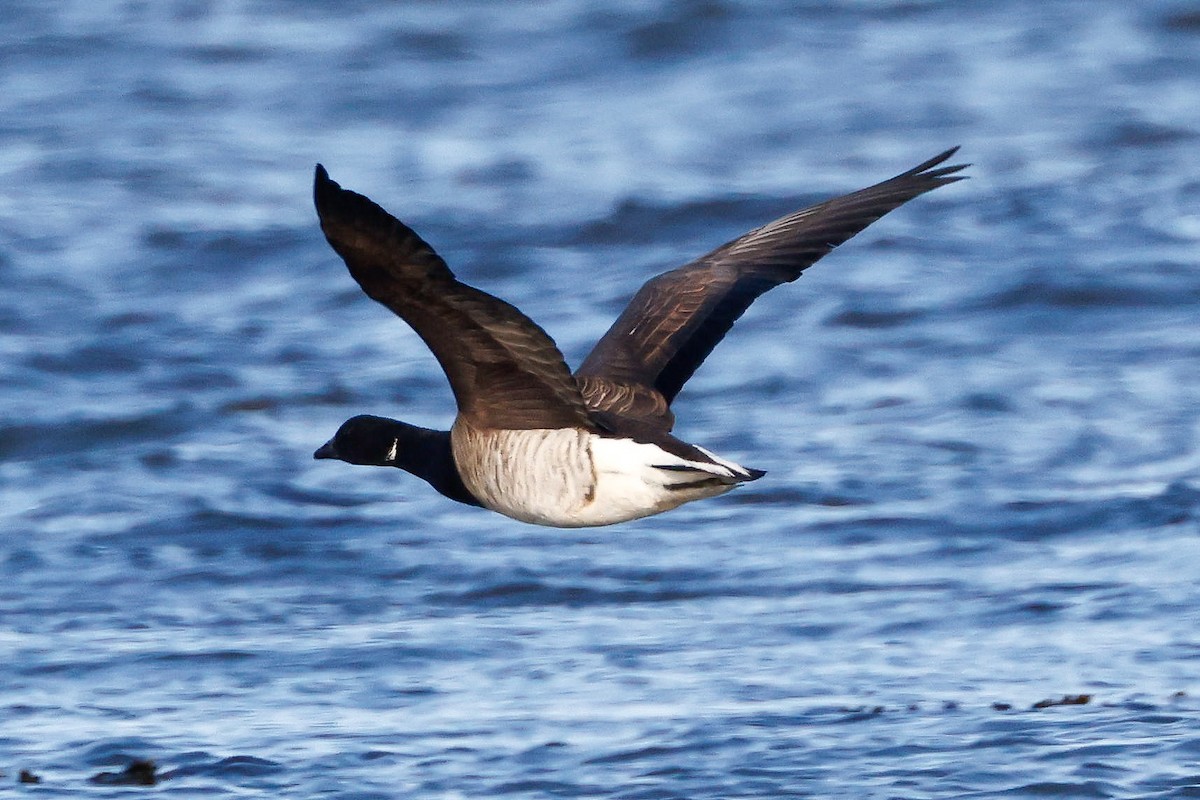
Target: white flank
x: 571, y: 479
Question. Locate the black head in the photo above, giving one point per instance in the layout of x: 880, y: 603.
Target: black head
x: 365, y: 440
x: 383, y: 442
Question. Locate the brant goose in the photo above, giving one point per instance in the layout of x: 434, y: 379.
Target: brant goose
x: 534, y: 441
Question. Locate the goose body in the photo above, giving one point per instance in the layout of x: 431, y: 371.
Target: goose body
x: 537, y: 443
x: 569, y: 478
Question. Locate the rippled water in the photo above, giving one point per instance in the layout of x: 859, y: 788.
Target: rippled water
x: 978, y: 418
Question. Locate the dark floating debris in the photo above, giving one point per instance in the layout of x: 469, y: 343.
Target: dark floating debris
x: 1067, y: 700
x: 139, y: 772
x: 1002, y: 706
x: 26, y: 776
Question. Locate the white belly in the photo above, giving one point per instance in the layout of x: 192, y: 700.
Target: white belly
x: 572, y: 479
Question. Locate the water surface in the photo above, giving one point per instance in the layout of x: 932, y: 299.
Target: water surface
x: 978, y: 418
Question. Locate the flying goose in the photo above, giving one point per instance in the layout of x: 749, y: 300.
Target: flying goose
x: 537, y: 443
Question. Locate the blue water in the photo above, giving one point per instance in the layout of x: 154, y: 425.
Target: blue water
x: 979, y: 418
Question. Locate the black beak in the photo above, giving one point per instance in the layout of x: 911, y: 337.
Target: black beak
x: 326, y: 450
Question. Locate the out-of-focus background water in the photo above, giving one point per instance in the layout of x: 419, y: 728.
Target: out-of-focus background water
x: 978, y: 418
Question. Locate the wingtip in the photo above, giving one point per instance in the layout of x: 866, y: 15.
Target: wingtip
x: 950, y: 153
x: 927, y: 167
x: 325, y: 189
x: 933, y: 172
x: 321, y: 178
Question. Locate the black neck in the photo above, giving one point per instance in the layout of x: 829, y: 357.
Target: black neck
x: 426, y: 454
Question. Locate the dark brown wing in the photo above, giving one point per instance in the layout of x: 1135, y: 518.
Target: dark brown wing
x: 676, y: 319
x: 607, y: 397
x: 505, y: 371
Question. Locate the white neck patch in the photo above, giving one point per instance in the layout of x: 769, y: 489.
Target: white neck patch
x: 391, y: 455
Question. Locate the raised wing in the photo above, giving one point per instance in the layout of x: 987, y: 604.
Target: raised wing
x: 676, y: 319
x: 505, y: 371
